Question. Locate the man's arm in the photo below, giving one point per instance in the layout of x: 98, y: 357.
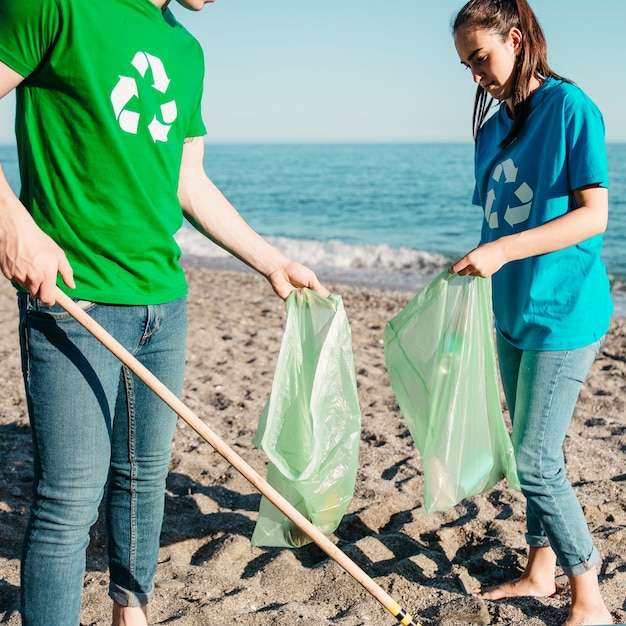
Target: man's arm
x: 213, y: 215
x: 9, y: 79
x: 27, y: 255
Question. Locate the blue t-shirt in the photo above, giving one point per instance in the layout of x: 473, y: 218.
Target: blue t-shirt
x: 560, y: 300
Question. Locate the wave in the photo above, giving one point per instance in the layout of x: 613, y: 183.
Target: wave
x: 378, y: 265
x: 369, y: 265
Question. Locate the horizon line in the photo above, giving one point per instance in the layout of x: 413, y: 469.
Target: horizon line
x: 277, y: 142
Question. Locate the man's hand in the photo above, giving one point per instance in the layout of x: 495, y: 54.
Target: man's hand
x: 28, y: 256
x: 292, y: 276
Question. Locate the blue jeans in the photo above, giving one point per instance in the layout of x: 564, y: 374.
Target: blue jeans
x: 94, y: 424
x: 541, y: 390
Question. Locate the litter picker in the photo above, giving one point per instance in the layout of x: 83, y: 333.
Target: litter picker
x: 234, y: 459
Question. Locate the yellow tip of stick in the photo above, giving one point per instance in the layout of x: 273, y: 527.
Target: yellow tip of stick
x: 401, y: 615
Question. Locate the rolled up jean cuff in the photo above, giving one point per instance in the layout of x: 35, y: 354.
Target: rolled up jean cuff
x: 582, y: 568
x: 535, y: 541
x: 123, y: 597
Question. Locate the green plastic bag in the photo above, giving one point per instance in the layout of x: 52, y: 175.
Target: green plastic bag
x: 441, y: 360
x: 311, y: 425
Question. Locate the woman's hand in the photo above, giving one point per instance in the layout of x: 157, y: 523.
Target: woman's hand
x: 484, y: 261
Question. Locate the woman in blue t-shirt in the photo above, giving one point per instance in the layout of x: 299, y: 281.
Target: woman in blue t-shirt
x: 541, y: 178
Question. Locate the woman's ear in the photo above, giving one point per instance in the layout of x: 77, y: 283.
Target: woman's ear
x: 515, y: 39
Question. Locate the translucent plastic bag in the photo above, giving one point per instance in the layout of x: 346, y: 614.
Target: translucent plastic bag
x: 441, y: 360
x: 311, y: 424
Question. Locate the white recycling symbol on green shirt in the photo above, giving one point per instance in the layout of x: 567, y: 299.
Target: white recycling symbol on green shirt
x: 126, y: 89
x: 517, y: 213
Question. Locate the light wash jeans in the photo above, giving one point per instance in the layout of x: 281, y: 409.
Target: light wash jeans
x: 94, y: 423
x: 541, y: 390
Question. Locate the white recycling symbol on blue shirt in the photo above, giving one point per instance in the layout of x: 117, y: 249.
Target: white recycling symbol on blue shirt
x: 126, y: 89
x: 514, y: 214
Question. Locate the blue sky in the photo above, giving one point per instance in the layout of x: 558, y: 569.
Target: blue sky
x: 365, y: 70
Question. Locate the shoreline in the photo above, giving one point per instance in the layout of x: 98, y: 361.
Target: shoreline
x: 209, y: 574
x: 388, y: 283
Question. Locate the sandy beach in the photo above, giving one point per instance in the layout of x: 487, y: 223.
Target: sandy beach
x: 208, y: 572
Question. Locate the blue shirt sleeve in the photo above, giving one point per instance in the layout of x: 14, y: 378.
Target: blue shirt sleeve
x: 586, y: 160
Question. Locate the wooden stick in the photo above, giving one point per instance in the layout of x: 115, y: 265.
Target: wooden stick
x: 234, y: 459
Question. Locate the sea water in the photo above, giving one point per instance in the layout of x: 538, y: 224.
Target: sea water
x: 384, y: 215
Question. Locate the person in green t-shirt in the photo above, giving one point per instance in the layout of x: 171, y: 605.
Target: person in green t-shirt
x: 109, y: 135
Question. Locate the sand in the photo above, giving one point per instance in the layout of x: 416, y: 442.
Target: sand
x: 208, y: 572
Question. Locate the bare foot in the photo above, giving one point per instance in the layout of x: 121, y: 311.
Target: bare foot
x: 129, y: 615
x: 537, y: 579
x: 600, y: 619
x: 523, y: 586
x: 587, y: 604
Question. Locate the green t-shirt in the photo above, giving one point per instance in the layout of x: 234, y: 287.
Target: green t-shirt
x: 111, y: 91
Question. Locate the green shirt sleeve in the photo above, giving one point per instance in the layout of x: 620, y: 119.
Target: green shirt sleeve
x: 28, y: 29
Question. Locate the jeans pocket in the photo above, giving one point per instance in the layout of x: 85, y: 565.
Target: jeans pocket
x: 36, y: 309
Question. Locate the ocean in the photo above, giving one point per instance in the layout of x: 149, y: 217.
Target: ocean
x: 383, y: 215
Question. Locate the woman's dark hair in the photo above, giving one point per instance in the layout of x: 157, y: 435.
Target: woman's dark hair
x: 499, y: 17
